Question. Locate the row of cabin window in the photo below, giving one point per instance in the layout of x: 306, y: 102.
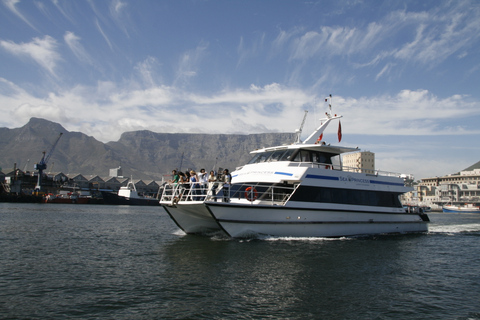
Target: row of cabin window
x: 296, y: 155
x: 347, y: 196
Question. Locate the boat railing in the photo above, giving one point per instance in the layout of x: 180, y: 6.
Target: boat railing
x: 330, y: 166
x: 262, y: 193
x: 375, y: 172
x: 220, y: 192
x: 193, y: 191
x: 175, y: 192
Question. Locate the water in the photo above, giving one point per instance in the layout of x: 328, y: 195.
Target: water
x: 118, y: 262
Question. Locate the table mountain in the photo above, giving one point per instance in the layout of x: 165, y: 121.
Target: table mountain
x: 141, y: 154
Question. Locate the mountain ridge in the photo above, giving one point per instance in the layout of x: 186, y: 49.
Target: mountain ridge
x: 142, y: 154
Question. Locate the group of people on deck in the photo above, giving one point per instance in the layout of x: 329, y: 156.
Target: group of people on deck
x: 202, y: 184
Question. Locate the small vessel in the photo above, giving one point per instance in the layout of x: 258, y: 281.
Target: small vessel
x: 298, y: 190
x: 467, y: 208
x: 68, y: 198
x: 128, y: 195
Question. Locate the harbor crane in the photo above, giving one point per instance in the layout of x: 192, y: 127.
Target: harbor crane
x: 42, y: 165
x: 299, y: 131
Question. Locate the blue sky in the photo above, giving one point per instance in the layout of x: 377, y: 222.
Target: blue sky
x: 404, y: 74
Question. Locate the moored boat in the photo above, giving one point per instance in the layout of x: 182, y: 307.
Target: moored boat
x: 298, y: 190
x: 467, y: 208
x: 128, y: 195
x: 69, y: 198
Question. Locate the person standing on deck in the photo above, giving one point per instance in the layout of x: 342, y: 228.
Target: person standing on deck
x: 203, y: 179
x: 212, y: 186
x: 227, y: 179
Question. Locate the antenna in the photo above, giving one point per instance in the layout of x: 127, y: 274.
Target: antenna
x: 26, y: 165
x: 329, y: 117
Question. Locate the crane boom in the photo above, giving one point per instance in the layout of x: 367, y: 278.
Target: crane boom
x: 42, y: 165
x: 53, y: 148
x: 299, y: 131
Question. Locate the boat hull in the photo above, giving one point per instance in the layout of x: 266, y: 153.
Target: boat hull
x: 192, y: 217
x: 460, y: 210
x: 68, y: 200
x: 245, y: 221
x: 115, y: 199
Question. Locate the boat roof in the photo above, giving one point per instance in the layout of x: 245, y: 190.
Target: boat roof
x: 312, y: 143
x: 313, y: 147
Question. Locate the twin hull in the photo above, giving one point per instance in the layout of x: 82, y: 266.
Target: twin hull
x: 244, y: 220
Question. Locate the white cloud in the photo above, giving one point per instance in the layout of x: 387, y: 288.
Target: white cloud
x: 42, y: 51
x: 11, y: 5
x: 189, y: 64
x: 119, y: 15
x: 146, y: 71
x: 428, y: 38
x: 257, y: 109
x: 104, y: 35
x: 78, y: 50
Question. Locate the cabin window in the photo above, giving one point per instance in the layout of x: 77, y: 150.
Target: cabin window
x: 255, y: 158
x: 347, y: 196
x: 313, y: 156
x: 287, y: 155
x: 293, y: 155
x: 276, y: 155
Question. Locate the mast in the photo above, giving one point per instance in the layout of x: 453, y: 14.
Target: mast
x: 325, y: 122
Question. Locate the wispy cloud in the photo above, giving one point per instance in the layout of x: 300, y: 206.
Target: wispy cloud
x: 59, y: 7
x: 118, y: 14
x: 73, y: 42
x: 147, y: 72
x: 11, y: 5
x: 104, y: 35
x: 188, y: 64
x: 41, y: 50
x: 245, y: 51
x: 430, y: 37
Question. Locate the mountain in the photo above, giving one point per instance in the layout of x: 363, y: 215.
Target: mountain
x: 141, y: 154
x: 473, y: 167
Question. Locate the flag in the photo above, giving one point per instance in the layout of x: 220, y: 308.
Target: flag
x: 339, y: 131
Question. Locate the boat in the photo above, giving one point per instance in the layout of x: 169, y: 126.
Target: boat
x: 298, y: 190
x: 467, y: 208
x: 69, y: 198
x: 128, y: 195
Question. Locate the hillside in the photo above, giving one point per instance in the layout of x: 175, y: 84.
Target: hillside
x: 141, y: 154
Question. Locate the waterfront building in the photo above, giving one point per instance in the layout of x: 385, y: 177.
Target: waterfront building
x: 112, y: 183
x: 363, y: 161
x: 78, y: 180
x: 459, y: 188
x: 116, y: 172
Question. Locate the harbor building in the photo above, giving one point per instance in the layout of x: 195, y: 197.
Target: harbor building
x: 363, y: 161
x: 458, y: 188
x: 116, y: 172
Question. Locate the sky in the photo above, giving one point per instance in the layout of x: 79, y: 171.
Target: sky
x: 405, y: 75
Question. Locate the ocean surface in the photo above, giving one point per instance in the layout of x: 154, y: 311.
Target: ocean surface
x: 62, y: 261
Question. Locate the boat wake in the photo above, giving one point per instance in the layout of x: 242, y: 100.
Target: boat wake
x: 455, y: 228
x: 179, y: 232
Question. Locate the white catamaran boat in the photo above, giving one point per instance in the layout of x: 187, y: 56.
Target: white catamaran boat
x: 298, y: 190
